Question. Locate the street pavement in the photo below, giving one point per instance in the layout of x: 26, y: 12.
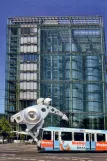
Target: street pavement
x: 21, y: 152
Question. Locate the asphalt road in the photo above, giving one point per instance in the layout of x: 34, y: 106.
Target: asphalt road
x: 21, y: 152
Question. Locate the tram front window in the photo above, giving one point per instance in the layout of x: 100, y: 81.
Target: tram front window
x: 40, y: 134
x: 46, y: 135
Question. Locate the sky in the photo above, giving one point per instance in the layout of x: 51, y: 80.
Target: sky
x: 12, y: 8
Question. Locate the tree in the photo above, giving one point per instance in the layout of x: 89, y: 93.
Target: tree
x: 5, y: 128
x: 22, y: 137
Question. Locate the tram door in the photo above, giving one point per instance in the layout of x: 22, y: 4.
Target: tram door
x: 90, y: 141
x: 56, y: 140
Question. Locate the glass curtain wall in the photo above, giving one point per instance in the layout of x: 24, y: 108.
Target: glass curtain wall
x: 71, y: 74
x: 56, y: 67
x: 11, y: 70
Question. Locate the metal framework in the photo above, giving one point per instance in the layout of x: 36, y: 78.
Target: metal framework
x: 72, y: 19
x: 69, y: 58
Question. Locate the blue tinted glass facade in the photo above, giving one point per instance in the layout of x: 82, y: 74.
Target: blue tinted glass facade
x: 72, y: 65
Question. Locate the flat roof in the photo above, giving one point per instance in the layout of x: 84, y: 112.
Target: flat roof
x: 73, y: 19
x: 64, y: 129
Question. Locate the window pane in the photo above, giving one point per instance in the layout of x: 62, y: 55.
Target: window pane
x: 47, y: 135
x: 35, y: 57
x: 93, y: 139
x: 29, y: 57
x: 78, y: 136
x: 87, y: 137
x: 32, y: 57
x: 56, y: 136
x: 21, y: 58
x: 100, y: 137
x: 66, y: 136
x: 25, y: 30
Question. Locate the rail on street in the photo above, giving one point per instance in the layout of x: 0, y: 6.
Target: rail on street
x: 22, y: 152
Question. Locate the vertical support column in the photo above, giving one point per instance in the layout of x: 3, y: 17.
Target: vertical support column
x: 18, y: 71
x: 6, y: 71
x: 51, y: 78
x: 77, y: 87
x: 103, y: 75
x: 39, y: 58
x: 18, y: 74
x: 71, y: 104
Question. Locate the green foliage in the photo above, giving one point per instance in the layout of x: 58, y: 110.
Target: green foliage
x: 11, y: 135
x: 22, y: 136
x: 5, y: 127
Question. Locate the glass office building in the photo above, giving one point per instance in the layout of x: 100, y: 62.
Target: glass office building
x: 62, y: 58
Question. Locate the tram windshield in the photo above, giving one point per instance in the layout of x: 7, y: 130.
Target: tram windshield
x: 40, y: 134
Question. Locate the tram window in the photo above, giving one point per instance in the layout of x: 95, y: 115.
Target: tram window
x: 56, y: 136
x: 87, y: 137
x: 78, y: 136
x: 67, y: 136
x: 47, y: 135
x: 101, y: 137
x: 92, y: 137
